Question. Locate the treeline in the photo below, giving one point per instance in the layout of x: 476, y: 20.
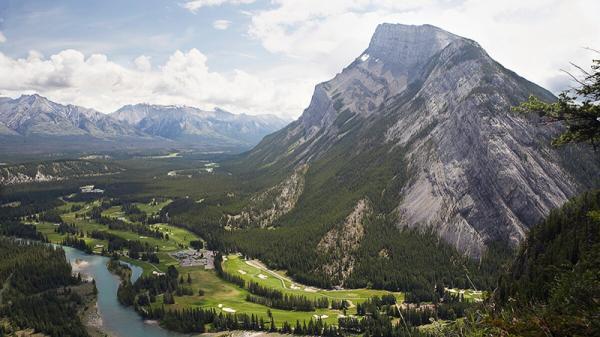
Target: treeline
x: 448, y: 307
x: 195, y: 320
x: 21, y: 230
x: 374, y: 304
x: 378, y: 325
x: 37, y: 294
x: 30, y: 202
x: 136, y: 248
x: 120, y: 269
x: 76, y: 242
x: 116, y: 224
x: 235, y: 279
x: 268, y: 296
x: 184, y: 321
x: 554, y: 278
x: 276, y: 299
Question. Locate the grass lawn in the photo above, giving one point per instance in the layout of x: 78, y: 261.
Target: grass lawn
x: 219, y: 292
x: 150, y: 208
x: 236, y: 265
x: 178, y: 237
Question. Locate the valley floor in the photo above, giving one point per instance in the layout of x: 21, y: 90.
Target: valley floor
x: 218, y: 294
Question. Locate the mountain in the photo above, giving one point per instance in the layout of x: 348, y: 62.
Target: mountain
x: 416, y: 132
x: 36, y: 115
x: 190, y: 125
x: 32, y: 123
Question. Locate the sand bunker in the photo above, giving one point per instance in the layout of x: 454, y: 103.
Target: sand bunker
x: 294, y: 287
x: 241, y: 272
x: 321, y: 317
x: 228, y: 310
x: 310, y: 290
x: 261, y: 276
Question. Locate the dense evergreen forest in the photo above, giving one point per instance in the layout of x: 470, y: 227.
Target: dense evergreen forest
x: 413, y: 261
x: 553, y: 287
x: 37, y: 290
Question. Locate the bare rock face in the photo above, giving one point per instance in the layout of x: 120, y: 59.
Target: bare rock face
x: 341, y: 242
x: 481, y: 172
x: 477, y: 172
x: 271, y: 204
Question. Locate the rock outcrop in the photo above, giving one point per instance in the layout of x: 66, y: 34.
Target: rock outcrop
x: 269, y: 205
x: 342, y: 241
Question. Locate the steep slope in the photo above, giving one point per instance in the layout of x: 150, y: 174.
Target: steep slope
x: 421, y: 126
x: 188, y: 124
x: 553, y: 286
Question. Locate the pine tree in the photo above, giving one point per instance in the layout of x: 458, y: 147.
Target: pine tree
x: 578, y: 109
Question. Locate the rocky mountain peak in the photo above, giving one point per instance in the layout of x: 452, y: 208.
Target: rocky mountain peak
x: 396, y: 57
x: 441, y: 107
x: 404, y: 49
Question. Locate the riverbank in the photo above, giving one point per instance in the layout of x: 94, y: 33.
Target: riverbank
x: 89, y: 315
x: 108, y: 315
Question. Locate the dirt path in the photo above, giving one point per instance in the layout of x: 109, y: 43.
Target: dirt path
x: 258, y: 265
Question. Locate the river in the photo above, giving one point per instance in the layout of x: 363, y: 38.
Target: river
x: 117, y: 320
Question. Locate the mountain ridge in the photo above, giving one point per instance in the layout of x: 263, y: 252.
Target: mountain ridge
x: 33, y: 119
x: 187, y: 123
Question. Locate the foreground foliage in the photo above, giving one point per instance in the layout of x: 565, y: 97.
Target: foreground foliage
x: 578, y: 109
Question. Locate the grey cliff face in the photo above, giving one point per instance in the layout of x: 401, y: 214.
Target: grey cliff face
x: 482, y: 173
x: 478, y: 171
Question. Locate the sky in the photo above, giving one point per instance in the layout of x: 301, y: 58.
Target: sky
x: 256, y: 56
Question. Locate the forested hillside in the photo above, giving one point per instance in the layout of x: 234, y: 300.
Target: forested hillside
x: 554, y: 283
x: 37, y: 290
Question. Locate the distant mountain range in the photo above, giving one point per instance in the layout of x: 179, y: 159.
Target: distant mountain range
x: 33, y: 120
x: 190, y: 125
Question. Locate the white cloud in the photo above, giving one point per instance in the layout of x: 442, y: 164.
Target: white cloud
x: 535, y: 38
x: 221, y: 24
x: 142, y: 63
x: 2, y: 37
x: 312, y: 40
x: 194, y: 5
x: 94, y: 81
